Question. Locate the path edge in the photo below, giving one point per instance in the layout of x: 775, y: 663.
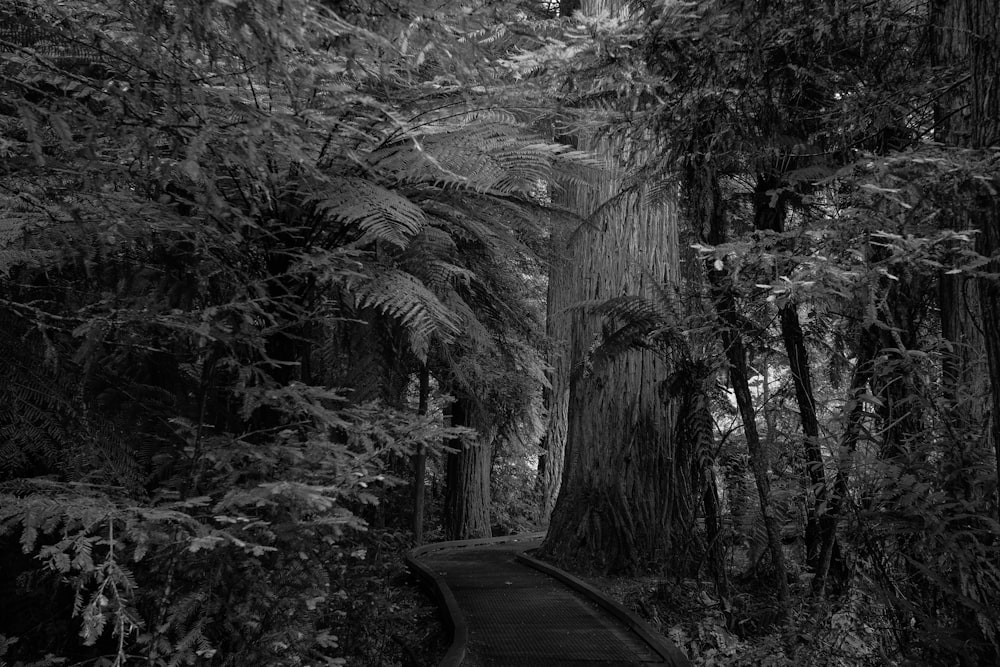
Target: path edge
x: 671, y: 654
x: 445, y: 598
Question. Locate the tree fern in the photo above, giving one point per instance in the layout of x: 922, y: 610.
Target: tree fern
x: 484, y: 157
x: 381, y: 214
x: 401, y: 296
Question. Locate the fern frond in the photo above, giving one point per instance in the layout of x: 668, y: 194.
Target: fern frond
x: 475, y: 334
x: 485, y: 157
x: 632, y: 309
x: 404, y: 298
x: 432, y: 242
x: 381, y: 214
x: 436, y: 273
x: 430, y: 256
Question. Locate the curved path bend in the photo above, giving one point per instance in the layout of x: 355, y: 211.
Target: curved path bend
x: 510, y: 610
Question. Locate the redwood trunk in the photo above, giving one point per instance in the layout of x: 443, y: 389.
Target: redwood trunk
x: 617, y: 503
x: 557, y: 328
x: 467, y: 510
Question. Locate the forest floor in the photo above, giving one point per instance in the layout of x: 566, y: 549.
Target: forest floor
x: 394, y: 621
x: 829, y: 633
x: 420, y: 634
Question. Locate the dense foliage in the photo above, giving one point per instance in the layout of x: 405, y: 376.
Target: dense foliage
x: 259, y: 258
x: 837, y: 176
x: 232, y: 233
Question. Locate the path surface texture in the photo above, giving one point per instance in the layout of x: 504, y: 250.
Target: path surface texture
x: 508, y: 613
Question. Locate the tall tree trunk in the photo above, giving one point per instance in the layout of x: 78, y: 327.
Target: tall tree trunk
x: 965, y: 381
x: 968, y: 115
x: 979, y: 21
x: 770, y: 214
x: 705, y: 205
x: 467, y: 506
x: 557, y: 328
x: 984, y: 19
x: 616, y: 505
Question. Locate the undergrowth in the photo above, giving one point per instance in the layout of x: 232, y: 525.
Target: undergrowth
x: 846, y: 632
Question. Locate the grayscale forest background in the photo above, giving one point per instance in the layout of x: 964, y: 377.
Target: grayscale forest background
x: 708, y: 289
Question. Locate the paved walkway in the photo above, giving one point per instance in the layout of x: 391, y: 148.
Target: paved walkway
x: 515, y: 615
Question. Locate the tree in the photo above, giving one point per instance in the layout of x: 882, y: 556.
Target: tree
x: 618, y: 499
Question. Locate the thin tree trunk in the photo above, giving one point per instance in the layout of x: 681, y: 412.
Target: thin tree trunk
x: 860, y: 378
x: 739, y: 379
x: 770, y: 214
x: 700, y: 431
x: 420, y: 461
x: 706, y: 205
x: 798, y: 363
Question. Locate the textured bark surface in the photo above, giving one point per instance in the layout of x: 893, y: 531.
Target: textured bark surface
x: 983, y: 22
x: 983, y: 19
x: 967, y: 39
x: 467, y: 511
x: 965, y: 381
x: 616, y: 505
x: 557, y: 329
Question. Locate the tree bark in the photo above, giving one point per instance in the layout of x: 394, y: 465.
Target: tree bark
x: 616, y: 507
x: 965, y: 379
x: 739, y: 379
x: 467, y: 506
x: 557, y: 328
x: 968, y: 38
x: 798, y: 364
x: 984, y: 22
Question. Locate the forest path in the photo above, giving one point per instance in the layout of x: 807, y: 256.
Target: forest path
x: 509, y: 613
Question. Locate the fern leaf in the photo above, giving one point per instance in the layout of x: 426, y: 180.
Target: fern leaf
x: 635, y: 310
x: 485, y: 157
x: 381, y: 214
x: 404, y: 298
